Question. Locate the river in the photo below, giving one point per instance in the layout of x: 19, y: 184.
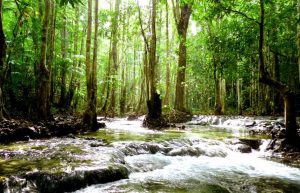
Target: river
x: 205, y: 156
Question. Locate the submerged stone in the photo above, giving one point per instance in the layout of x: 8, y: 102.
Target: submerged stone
x: 184, y: 151
x: 244, y: 148
x: 253, y: 143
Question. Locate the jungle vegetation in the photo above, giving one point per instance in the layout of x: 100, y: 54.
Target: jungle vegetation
x: 120, y: 57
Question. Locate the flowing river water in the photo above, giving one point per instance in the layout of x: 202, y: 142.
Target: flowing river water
x: 205, y: 157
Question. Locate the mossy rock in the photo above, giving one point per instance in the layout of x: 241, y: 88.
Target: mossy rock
x: 110, y: 174
x: 155, y: 123
x: 175, y: 116
x: 68, y: 182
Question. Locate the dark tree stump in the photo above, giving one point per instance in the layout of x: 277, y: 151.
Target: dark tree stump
x: 154, y: 107
x: 154, y: 120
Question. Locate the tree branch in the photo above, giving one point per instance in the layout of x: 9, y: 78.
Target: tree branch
x: 141, y: 27
x: 175, y: 13
x: 239, y: 13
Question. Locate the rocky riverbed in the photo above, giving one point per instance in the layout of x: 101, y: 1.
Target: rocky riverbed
x: 216, y: 154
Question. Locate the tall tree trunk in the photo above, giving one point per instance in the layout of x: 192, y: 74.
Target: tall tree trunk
x: 123, y: 91
x: 106, y: 88
x: 298, y: 35
x: 77, y: 80
x: 3, y: 64
x: 239, y: 95
x: 72, y: 85
x: 63, y: 71
x: 168, y: 81
x: 43, y: 98
x: 94, y: 66
x: 287, y: 95
x: 152, y: 53
x: 142, y: 90
x: 114, y: 58
x: 90, y: 117
x: 182, y: 26
x: 223, y: 94
x: 154, y: 105
x: 122, y: 101
x: 51, y: 41
x: 218, y: 102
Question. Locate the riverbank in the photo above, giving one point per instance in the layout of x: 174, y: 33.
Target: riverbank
x: 13, y: 130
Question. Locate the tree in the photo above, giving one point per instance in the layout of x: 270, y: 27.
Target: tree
x: 218, y: 101
x: 3, y: 65
x: 298, y: 35
x: 51, y: 42
x: 114, y: 55
x: 182, y: 17
x: 168, y: 81
x: 90, y: 115
x: 72, y: 85
x: 63, y: 71
x: 286, y: 93
x: 44, y: 70
x: 153, y: 118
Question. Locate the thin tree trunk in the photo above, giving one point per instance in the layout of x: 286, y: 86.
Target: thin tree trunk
x: 239, y: 95
x: 3, y: 64
x: 218, y: 103
x: 168, y: 81
x: 50, y: 57
x: 223, y: 94
x: 107, y: 82
x: 142, y: 90
x: 77, y: 80
x: 123, y: 79
x: 114, y: 57
x: 63, y: 71
x: 43, y: 99
x: 146, y: 71
x: 72, y: 85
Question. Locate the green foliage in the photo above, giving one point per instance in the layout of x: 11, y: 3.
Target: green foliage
x: 71, y: 2
x: 225, y: 36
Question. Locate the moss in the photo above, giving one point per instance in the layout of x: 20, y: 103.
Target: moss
x: 67, y: 148
x: 15, y: 146
x: 52, y: 164
x: 111, y: 136
x: 40, y: 147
